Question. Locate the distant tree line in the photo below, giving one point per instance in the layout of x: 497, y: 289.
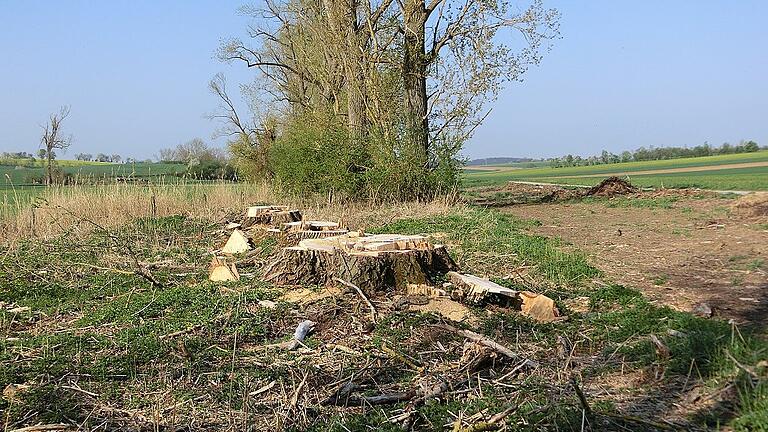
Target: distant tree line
x: 101, y: 157
x: 203, y: 162
x: 655, y: 153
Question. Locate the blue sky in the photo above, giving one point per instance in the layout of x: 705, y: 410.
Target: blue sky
x: 624, y: 74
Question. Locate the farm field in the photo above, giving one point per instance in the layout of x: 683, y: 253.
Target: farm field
x: 727, y: 172
x: 23, y: 174
x: 18, y: 191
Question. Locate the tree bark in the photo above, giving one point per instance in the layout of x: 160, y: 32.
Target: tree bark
x: 343, y: 20
x: 414, y: 71
x: 49, y: 170
x: 384, y: 271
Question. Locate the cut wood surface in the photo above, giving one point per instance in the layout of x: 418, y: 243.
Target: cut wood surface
x: 472, y: 289
x: 272, y: 216
x: 221, y: 271
x: 372, y: 262
x: 539, y: 307
x: 237, y: 243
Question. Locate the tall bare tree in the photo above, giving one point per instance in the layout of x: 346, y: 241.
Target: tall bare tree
x: 454, y: 59
x: 52, y: 139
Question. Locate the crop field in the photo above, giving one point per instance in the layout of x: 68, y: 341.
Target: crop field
x: 19, y: 174
x: 17, y: 189
x: 726, y: 172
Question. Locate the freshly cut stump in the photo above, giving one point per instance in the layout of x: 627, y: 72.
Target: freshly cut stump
x: 304, y: 229
x: 270, y: 215
x: 382, y: 262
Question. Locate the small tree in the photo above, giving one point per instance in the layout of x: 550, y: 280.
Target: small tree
x: 116, y: 158
x: 41, y: 155
x: 52, y: 139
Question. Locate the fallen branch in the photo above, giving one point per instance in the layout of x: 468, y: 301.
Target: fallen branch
x: 582, y: 398
x: 43, y: 427
x: 490, y: 343
x: 361, y: 294
x: 491, y: 424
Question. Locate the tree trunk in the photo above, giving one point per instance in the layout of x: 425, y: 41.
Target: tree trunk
x: 342, y: 19
x: 382, y: 271
x: 49, y: 169
x: 414, y: 71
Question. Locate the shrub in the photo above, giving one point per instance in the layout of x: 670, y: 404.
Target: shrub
x: 318, y: 156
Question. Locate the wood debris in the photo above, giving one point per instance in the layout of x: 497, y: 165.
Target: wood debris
x: 539, y: 307
x: 475, y: 290
x: 221, y: 271
x: 238, y: 243
x: 270, y: 216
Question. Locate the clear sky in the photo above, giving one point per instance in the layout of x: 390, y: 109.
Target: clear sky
x: 624, y: 74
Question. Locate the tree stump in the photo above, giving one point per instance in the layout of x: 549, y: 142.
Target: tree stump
x: 273, y: 216
x: 383, y: 262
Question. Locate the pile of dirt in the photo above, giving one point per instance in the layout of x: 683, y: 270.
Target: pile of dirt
x: 752, y: 205
x: 612, y: 186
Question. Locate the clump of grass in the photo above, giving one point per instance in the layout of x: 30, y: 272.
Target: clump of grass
x: 486, y: 242
x: 664, y: 202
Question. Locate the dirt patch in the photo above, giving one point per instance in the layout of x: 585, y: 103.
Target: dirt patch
x: 612, y: 186
x: 529, y: 193
x: 696, y: 252
x: 752, y: 205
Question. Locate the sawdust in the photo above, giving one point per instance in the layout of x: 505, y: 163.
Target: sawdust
x: 447, y: 308
x: 305, y: 296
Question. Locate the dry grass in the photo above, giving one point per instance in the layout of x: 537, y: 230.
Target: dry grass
x: 63, y: 209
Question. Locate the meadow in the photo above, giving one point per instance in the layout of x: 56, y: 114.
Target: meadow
x: 86, y: 339
x: 19, y: 172
x: 20, y: 180
x: 720, y: 177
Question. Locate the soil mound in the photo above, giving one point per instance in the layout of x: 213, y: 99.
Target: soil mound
x: 612, y: 186
x: 754, y: 204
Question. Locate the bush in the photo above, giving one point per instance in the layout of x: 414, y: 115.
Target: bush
x: 318, y: 156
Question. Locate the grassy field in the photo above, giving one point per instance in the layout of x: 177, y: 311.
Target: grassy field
x: 17, y: 189
x: 11, y: 173
x: 90, y: 342
x: 750, y: 178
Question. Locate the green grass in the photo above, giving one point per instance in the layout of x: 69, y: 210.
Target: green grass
x: 480, y: 232
x: 109, y: 328
x: 754, y: 178
x: 22, y: 175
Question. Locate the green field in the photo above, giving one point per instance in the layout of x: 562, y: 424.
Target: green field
x: 748, y: 178
x: 19, y: 182
x: 24, y: 174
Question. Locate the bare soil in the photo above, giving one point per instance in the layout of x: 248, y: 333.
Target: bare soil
x: 699, y: 251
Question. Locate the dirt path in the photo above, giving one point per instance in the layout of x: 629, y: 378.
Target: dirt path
x: 693, y: 253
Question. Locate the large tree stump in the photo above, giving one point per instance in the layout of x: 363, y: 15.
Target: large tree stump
x: 373, y: 263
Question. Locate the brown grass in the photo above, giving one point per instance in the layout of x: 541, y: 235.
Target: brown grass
x: 64, y: 209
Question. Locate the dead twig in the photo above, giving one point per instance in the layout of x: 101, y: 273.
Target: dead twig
x: 491, y: 424
x: 361, y: 294
x: 582, y: 398
x: 490, y: 343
